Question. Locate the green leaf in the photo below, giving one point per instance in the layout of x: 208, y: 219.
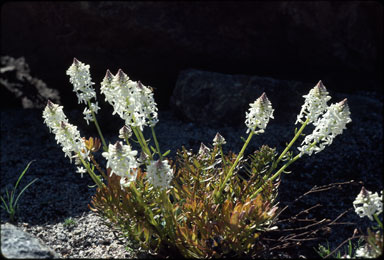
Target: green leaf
x: 153, y: 149
x: 22, y: 174
x: 166, y: 153
x: 26, y: 187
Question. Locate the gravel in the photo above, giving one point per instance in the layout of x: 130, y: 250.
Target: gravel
x: 55, y: 208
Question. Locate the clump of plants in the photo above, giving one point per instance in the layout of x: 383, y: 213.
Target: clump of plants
x: 199, y: 205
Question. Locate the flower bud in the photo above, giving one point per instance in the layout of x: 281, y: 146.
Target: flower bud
x: 203, y: 152
x: 125, y: 132
x: 218, y: 140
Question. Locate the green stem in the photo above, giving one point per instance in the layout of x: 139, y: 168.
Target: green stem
x: 148, y: 213
x: 378, y: 221
x: 230, y: 172
x: 94, y: 177
x: 170, y: 218
x: 140, y: 137
x: 156, y: 143
x: 274, y: 165
x: 276, y: 174
x: 105, y: 147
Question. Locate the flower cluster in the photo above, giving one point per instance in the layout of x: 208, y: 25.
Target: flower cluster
x: 368, y: 203
x: 159, y: 174
x: 121, y: 159
x: 259, y: 113
x: 66, y: 134
x: 315, y: 104
x: 80, y: 78
x: 331, y: 124
x: 131, y: 100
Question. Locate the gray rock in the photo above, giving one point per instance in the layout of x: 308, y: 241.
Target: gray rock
x: 221, y: 99
x: 16, y: 243
x: 19, y: 88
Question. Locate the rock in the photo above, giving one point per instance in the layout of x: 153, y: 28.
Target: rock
x: 16, y: 243
x: 337, y: 41
x: 221, y: 99
x: 20, y: 89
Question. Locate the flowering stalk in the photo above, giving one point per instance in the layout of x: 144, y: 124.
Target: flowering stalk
x: 258, y: 117
x: 156, y: 143
x: 82, y: 85
x: 69, y: 137
x: 105, y: 148
x: 331, y: 124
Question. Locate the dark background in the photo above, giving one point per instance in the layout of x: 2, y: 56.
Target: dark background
x: 339, y: 42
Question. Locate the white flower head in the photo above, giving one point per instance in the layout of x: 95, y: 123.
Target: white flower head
x: 121, y: 159
x: 80, y: 78
x: 131, y: 100
x: 66, y: 134
x: 218, y: 140
x: 368, y: 203
x: 159, y: 174
x: 259, y: 114
x: 331, y: 124
x: 315, y: 104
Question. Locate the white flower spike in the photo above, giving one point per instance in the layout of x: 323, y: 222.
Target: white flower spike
x: 315, y: 104
x: 331, y: 124
x: 80, y: 78
x: 66, y: 134
x: 259, y: 114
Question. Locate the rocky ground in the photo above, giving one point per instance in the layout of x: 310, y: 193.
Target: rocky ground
x: 55, y: 208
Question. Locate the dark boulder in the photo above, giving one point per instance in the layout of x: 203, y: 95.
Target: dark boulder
x: 338, y: 42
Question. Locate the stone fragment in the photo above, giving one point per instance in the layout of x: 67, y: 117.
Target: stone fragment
x: 16, y: 243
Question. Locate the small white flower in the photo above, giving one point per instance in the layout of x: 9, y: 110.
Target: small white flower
x: 159, y: 174
x: 87, y: 115
x: 367, y: 204
x: 121, y: 159
x: 259, y: 114
x: 366, y: 251
x: 81, y: 170
x: 94, y: 107
x: 331, y: 124
x: 218, y: 140
x: 315, y: 104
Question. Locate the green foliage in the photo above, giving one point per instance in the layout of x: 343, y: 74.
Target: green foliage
x: 192, y: 223
x: 11, y: 205
x: 69, y: 222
